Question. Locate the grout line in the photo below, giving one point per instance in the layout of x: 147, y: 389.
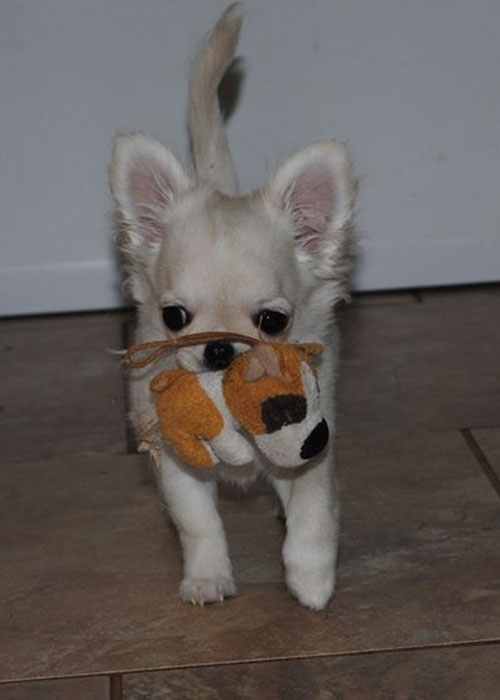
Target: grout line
x: 436, y: 646
x: 116, y: 677
x: 116, y: 686
x: 478, y: 453
x: 129, y: 433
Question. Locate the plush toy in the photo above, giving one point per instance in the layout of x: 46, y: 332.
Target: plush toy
x: 269, y: 392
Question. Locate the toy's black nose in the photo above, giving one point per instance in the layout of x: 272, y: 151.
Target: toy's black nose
x: 315, y: 441
x: 218, y: 354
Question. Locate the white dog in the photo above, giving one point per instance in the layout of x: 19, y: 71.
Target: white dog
x: 271, y: 264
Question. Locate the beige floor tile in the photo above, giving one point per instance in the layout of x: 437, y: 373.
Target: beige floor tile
x: 488, y: 440
x: 470, y: 673
x: 61, y: 390
x: 64, y: 689
x: 89, y: 570
x: 421, y: 366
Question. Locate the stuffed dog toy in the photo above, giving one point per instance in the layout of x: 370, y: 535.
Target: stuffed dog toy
x: 269, y: 392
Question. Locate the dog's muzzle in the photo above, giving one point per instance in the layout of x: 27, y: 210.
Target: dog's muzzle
x: 218, y: 355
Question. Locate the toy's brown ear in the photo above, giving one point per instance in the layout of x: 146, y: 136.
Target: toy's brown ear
x: 263, y: 362
x: 312, y: 348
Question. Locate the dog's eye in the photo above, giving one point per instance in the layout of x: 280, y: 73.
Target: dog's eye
x: 176, y: 317
x: 271, y: 322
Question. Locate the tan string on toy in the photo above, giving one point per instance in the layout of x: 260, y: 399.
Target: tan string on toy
x: 158, y: 348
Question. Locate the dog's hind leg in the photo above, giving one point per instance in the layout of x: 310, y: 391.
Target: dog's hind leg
x: 191, y: 499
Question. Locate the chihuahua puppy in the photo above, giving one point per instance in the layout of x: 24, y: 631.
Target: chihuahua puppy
x: 199, y: 256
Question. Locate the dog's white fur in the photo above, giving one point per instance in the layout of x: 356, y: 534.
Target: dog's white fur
x: 188, y: 238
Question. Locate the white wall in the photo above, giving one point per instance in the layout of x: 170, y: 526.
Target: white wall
x: 412, y: 86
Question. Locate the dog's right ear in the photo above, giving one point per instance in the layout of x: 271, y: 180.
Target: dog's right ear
x: 146, y: 180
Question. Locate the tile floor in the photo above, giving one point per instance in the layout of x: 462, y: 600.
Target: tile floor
x: 89, y: 565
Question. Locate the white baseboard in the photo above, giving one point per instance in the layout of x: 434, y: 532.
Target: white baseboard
x: 85, y: 286
x: 427, y: 263
x: 95, y: 285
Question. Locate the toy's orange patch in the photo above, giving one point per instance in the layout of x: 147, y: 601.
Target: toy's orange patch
x: 187, y: 416
x: 268, y: 370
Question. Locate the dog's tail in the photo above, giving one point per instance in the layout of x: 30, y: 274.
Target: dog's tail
x: 209, y: 143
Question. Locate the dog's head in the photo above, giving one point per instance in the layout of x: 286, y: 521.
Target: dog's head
x: 200, y: 257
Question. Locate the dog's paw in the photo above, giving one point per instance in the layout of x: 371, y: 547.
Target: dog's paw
x: 205, y: 591
x: 313, y: 589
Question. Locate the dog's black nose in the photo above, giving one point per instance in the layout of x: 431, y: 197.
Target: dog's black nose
x: 218, y: 354
x: 316, y: 441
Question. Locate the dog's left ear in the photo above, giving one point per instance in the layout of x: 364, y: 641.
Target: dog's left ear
x: 316, y: 188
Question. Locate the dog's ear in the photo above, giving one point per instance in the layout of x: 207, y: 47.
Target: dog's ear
x: 316, y: 188
x: 146, y: 179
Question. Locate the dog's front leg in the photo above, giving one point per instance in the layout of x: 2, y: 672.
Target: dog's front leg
x: 191, y: 498
x: 310, y: 548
